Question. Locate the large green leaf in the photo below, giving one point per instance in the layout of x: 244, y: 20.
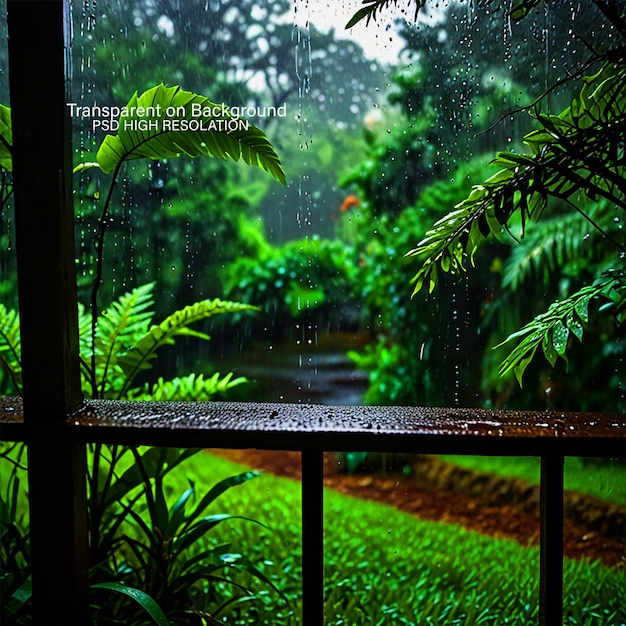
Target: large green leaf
x: 6, y: 139
x: 218, y: 489
x: 146, y: 602
x: 166, y: 122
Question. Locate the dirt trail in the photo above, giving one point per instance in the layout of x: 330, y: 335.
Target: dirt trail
x: 491, y: 505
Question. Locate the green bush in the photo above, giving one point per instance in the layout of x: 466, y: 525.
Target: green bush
x: 301, y: 279
x: 410, y: 362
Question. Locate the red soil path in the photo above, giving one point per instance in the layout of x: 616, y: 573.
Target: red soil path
x: 492, y: 506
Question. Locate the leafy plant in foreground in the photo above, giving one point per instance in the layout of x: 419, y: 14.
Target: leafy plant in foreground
x: 552, y: 330
x: 15, y: 585
x: 116, y: 346
x: 149, y: 553
x: 162, y: 548
x: 575, y: 155
x: 126, y: 344
x: 163, y: 140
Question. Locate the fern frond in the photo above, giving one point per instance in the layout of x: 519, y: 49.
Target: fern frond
x: 188, y: 388
x: 575, y: 151
x: 369, y: 12
x: 10, y: 346
x: 552, y: 244
x: 6, y: 139
x: 139, y: 357
x: 553, y: 328
x: 119, y: 328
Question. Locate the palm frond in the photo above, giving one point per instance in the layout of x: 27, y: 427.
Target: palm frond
x: 575, y: 151
x: 165, y: 122
x: 551, y: 244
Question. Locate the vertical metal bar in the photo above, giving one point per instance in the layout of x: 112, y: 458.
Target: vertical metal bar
x: 551, y: 557
x: 312, y: 537
x: 42, y: 171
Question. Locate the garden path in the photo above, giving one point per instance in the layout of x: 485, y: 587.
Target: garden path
x: 491, y: 505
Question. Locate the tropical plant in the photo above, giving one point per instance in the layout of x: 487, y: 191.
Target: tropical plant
x: 147, y: 549
x: 149, y: 129
x: 10, y: 350
x: 126, y: 344
x: 162, y: 123
x: 407, y: 362
x: 575, y: 157
x: 148, y: 553
x: 572, y: 153
x: 7, y: 282
x: 158, y: 545
x: 14, y: 540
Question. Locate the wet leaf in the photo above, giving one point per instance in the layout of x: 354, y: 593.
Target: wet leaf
x: 6, y: 139
x: 548, y: 350
x: 575, y: 326
x: 582, y: 309
x: 560, y: 334
x: 201, y: 127
x: 142, y: 598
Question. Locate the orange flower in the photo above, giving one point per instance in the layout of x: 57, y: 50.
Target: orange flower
x: 348, y: 203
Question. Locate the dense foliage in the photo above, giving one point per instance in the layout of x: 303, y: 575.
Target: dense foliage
x: 371, y: 559
x: 572, y: 179
x: 200, y: 230
x: 543, y: 233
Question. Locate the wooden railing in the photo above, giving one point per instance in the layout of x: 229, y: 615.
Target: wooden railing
x: 313, y: 429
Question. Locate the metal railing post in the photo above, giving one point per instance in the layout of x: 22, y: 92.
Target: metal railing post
x: 551, y: 557
x: 312, y: 537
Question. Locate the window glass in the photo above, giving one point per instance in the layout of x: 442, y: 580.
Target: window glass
x: 205, y: 228
x: 382, y: 130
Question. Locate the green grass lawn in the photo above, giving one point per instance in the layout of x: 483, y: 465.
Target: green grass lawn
x: 383, y: 566
x: 386, y: 567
